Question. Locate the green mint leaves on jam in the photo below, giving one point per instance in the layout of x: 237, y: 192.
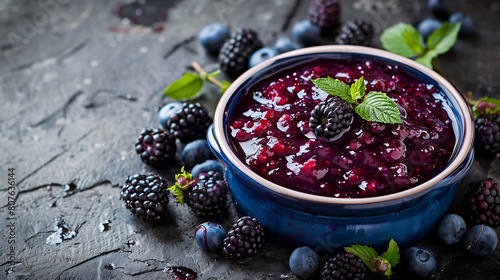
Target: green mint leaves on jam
x: 372, y: 106
x: 181, y: 185
x: 190, y: 84
x: 382, y: 264
x: 404, y: 39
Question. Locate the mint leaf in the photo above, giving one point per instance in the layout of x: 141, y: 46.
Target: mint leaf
x: 334, y: 87
x: 486, y: 106
x: 392, y: 253
x: 365, y: 253
x: 443, y: 38
x: 402, y: 39
x: 186, y: 87
x: 358, y: 89
x: 214, y: 74
x: 427, y: 58
x: 378, y: 107
x: 225, y: 85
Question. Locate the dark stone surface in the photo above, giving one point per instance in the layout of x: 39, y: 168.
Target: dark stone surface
x: 76, y: 90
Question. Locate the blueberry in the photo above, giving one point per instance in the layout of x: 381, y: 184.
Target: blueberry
x: 420, y: 261
x: 284, y: 44
x: 427, y: 26
x: 480, y: 240
x: 208, y: 165
x: 213, y: 36
x: 451, y: 229
x: 439, y: 8
x: 209, y: 236
x: 167, y: 111
x: 260, y: 55
x: 303, y: 262
x: 306, y: 33
x: 196, y: 152
x: 467, y: 28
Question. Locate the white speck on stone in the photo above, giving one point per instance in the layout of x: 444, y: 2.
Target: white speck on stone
x: 143, y: 49
x: 87, y: 81
x: 94, y: 63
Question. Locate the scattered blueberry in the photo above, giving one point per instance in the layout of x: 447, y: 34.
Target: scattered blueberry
x: 420, y: 261
x: 467, y: 27
x: 480, y: 240
x: 213, y: 36
x: 306, y: 33
x: 303, y: 262
x: 196, y: 152
x: 209, y: 236
x: 451, y: 229
x: 208, y: 165
x: 260, y: 55
x: 284, y: 44
x: 439, y: 8
x: 427, y: 26
x: 167, y: 111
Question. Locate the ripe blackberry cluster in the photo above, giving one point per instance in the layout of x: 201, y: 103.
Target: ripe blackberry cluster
x: 235, y: 53
x: 344, y: 265
x: 356, y: 32
x: 482, y: 203
x: 155, y: 146
x: 244, y: 239
x: 190, y: 123
x: 331, y: 118
x: 146, y: 196
x: 325, y: 14
x: 487, y: 140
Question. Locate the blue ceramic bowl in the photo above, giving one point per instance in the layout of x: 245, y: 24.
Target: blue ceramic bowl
x: 327, y: 223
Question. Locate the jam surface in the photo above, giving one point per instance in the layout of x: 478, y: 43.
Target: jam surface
x: 270, y: 132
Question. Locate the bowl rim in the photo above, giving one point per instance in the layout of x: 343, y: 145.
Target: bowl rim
x: 463, y: 108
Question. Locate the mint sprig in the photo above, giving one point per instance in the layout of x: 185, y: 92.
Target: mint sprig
x: 372, y: 106
x: 382, y: 264
x: 405, y: 40
x: 190, y: 84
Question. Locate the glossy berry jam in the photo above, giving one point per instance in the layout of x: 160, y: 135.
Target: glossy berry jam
x: 270, y: 132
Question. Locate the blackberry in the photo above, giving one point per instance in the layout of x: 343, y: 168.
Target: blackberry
x: 356, y: 32
x: 205, y: 195
x: 487, y: 139
x: 482, y: 203
x: 325, y: 14
x: 244, y: 239
x: 344, y: 265
x: 155, y: 146
x: 235, y: 53
x: 331, y: 118
x: 146, y: 196
x: 189, y: 123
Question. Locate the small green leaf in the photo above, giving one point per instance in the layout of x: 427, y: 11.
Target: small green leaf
x: 179, y: 188
x: 402, y: 39
x: 214, y: 74
x: 378, y: 107
x: 334, y: 87
x: 186, y: 87
x: 225, y: 85
x: 392, y: 253
x: 486, y: 106
x: 365, y: 253
x: 443, y: 38
x: 427, y: 58
x: 358, y: 89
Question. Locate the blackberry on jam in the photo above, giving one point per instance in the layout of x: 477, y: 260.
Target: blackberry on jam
x: 482, y: 203
x: 205, y: 195
x: 235, y: 53
x: 155, y: 146
x: 325, y: 14
x: 244, y: 239
x: 356, y: 32
x: 331, y: 118
x: 146, y: 196
x: 487, y: 140
x: 190, y: 123
x: 344, y: 265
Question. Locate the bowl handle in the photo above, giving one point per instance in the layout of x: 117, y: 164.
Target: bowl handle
x: 213, y: 144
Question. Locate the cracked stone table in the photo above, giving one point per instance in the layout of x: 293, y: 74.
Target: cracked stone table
x: 77, y: 85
